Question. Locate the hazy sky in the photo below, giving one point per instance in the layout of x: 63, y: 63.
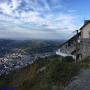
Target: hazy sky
x: 42, y: 19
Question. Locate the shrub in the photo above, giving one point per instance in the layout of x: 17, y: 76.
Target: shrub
x: 68, y: 59
x: 61, y: 73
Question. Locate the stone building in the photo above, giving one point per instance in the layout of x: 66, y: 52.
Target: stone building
x: 79, y: 45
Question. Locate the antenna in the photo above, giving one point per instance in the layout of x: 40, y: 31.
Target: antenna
x: 84, y: 18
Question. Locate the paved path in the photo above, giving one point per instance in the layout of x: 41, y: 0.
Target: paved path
x: 82, y: 82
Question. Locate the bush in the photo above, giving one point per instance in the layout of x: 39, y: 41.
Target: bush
x: 56, y: 73
x: 68, y: 59
x: 61, y: 73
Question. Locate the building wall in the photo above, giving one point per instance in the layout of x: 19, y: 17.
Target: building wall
x: 64, y: 48
x: 83, y: 48
x: 69, y: 47
x: 85, y: 41
x: 85, y: 32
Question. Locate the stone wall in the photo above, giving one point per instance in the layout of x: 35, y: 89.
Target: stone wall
x: 85, y: 48
x: 68, y: 48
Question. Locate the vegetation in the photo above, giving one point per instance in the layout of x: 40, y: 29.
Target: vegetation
x: 45, y: 74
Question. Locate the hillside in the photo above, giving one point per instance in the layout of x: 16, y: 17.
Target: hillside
x: 45, y: 74
x: 8, y: 46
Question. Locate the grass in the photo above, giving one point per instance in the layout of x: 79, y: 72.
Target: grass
x: 44, y: 74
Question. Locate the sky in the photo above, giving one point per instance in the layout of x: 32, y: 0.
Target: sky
x: 42, y: 19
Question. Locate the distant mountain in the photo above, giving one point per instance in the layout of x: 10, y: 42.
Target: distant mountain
x: 28, y: 46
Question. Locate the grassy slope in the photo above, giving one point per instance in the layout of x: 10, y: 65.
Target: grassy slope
x: 42, y: 75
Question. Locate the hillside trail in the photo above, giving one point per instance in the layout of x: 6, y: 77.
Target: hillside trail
x: 82, y: 81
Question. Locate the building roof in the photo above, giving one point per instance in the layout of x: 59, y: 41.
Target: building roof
x: 72, y: 38
x: 85, y: 23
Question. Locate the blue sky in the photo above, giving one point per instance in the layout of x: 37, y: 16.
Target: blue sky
x: 42, y: 19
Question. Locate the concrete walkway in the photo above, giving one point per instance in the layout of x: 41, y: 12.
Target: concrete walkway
x: 82, y: 82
